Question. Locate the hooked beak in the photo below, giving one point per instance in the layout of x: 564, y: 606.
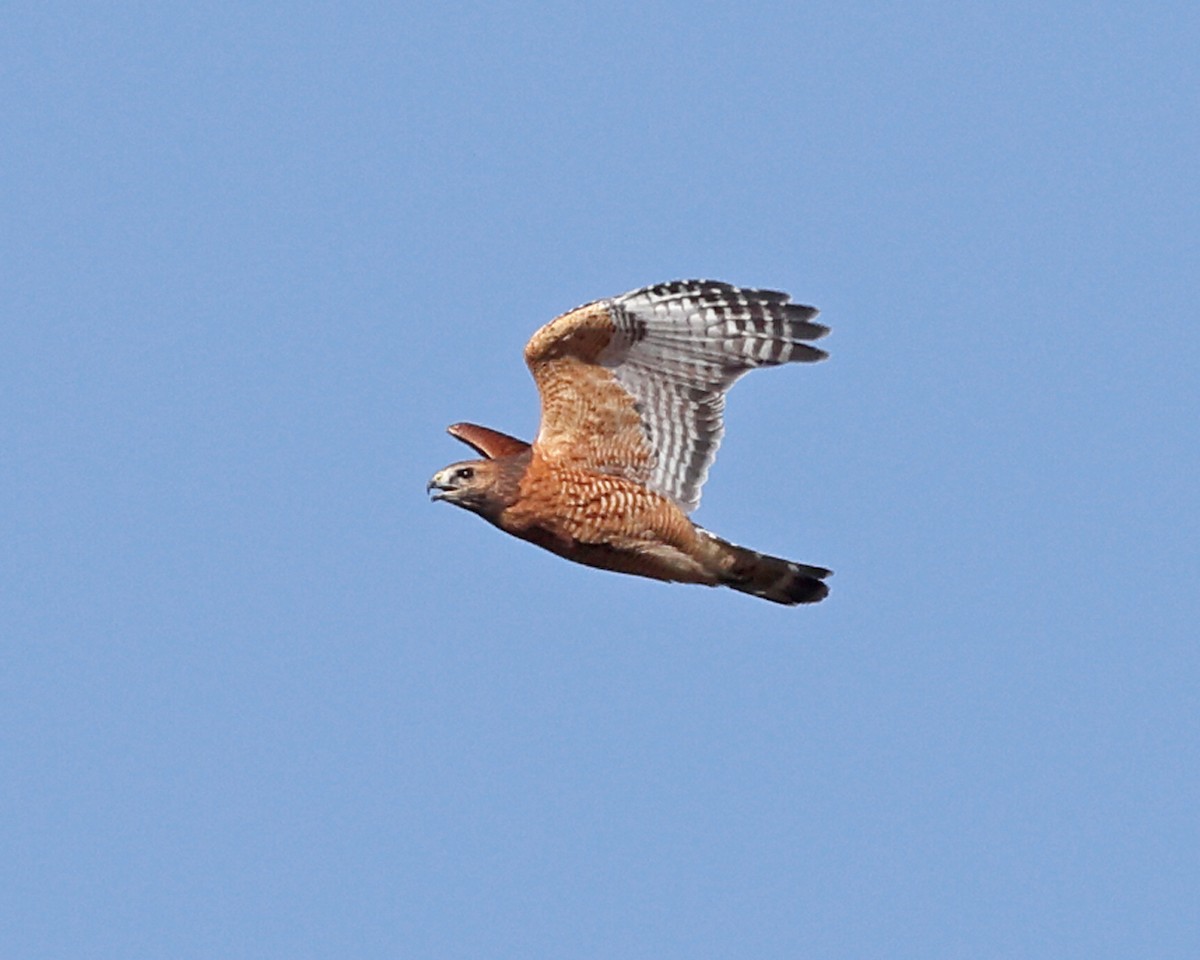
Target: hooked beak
x: 439, y: 486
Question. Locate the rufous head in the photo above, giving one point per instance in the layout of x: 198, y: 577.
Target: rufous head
x: 476, y: 485
x: 485, y: 486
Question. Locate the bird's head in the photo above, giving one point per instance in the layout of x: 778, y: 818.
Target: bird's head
x: 475, y: 485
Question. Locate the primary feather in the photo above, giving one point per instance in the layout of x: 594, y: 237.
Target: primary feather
x: 679, y: 347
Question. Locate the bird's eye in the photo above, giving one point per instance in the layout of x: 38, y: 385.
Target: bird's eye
x: 464, y: 473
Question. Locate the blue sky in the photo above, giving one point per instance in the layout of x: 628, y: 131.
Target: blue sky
x: 260, y: 698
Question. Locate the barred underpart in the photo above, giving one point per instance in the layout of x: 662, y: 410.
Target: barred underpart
x: 677, y: 349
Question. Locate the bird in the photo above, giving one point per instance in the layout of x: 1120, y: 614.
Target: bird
x: 632, y: 392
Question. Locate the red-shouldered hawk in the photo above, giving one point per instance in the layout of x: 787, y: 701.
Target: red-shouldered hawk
x: 632, y: 392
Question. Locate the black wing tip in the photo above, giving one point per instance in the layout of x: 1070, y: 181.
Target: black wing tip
x: 701, y: 285
x: 799, y: 317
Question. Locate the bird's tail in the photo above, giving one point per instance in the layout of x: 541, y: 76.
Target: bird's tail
x: 771, y: 578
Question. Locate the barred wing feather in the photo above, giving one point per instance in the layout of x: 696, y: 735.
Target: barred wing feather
x: 673, y: 350
x: 680, y: 347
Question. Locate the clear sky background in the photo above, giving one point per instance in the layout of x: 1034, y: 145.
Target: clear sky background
x: 259, y: 698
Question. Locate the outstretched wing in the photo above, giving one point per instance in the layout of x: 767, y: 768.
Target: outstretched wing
x: 635, y: 385
x: 485, y: 441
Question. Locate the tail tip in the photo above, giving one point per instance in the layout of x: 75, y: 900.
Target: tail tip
x: 806, y: 585
x: 796, y: 583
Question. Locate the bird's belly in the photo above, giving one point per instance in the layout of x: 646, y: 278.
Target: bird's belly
x: 607, y: 522
x: 644, y: 558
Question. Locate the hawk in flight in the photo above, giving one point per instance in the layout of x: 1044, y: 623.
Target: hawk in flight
x: 632, y: 391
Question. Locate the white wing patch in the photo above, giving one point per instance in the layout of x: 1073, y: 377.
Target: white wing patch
x: 679, y: 346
